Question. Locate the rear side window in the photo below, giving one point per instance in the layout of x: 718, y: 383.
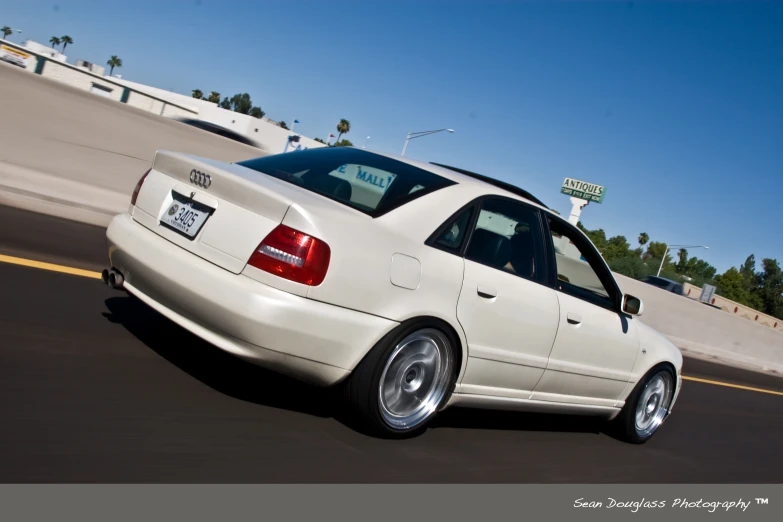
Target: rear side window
x: 452, y: 237
x: 361, y: 180
x: 508, y: 237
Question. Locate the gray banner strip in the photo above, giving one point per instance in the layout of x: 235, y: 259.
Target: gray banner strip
x: 372, y: 503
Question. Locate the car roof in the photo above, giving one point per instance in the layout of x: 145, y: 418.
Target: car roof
x: 469, y: 178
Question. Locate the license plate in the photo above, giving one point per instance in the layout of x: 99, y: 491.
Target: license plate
x: 185, y: 216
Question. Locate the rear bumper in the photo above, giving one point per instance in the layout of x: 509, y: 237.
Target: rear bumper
x: 312, y: 341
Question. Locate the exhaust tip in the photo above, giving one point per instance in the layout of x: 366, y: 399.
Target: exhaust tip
x: 115, y: 279
x: 105, y: 276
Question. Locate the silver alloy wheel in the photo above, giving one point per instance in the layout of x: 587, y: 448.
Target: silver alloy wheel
x: 652, y: 406
x: 415, y: 378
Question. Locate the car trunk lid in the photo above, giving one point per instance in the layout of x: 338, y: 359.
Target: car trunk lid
x: 230, y: 208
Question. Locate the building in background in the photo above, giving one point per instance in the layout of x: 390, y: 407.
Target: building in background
x: 45, y: 50
x: 93, y: 68
x: 265, y: 133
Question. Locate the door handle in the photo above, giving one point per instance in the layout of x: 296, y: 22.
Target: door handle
x: 574, y: 318
x: 486, y: 292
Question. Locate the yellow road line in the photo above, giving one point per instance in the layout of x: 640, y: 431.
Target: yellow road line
x: 49, y: 266
x: 726, y: 384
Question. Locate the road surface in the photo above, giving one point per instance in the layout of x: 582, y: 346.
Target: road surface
x: 95, y: 387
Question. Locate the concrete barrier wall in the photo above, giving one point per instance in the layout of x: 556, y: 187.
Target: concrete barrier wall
x: 269, y: 136
x: 182, y: 100
x: 689, y: 323
x: 737, y: 309
x: 144, y: 103
x: 178, y: 113
x: 81, y: 80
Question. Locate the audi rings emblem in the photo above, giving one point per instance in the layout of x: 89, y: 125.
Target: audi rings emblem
x: 200, y: 179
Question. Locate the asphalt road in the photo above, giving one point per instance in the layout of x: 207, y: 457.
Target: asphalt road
x: 95, y: 387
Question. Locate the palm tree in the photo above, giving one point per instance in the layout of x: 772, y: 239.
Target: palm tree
x: 214, y: 97
x: 643, y: 239
x: 113, y: 62
x: 54, y: 41
x: 6, y: 31
x: 198, y: 94
x: 65, y: 41
x: 682, y: 254
x: 344, y: 127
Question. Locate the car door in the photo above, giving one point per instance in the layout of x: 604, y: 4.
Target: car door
x: 508, y: 313
x: 596, y: 346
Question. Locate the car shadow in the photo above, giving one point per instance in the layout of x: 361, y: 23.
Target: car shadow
x: 470, y: 418
x: 211, y: 366
x: 245, y: 381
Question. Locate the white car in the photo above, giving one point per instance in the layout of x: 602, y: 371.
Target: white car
x: 412, y: 286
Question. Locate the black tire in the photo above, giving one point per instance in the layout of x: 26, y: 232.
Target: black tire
x: 361, y: 390
x: 624, y: 426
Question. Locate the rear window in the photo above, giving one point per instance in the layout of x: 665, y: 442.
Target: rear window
x: 367, y: 182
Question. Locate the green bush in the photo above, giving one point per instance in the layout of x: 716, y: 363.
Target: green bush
x: 631, y: 266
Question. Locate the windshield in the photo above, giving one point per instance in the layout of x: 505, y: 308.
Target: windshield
x: 367, y: 182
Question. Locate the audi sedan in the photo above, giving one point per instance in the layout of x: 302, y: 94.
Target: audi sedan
x: 409, y: 287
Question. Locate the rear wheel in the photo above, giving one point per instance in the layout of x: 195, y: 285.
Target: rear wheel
x: 404, y: 380
x: 646, y: 407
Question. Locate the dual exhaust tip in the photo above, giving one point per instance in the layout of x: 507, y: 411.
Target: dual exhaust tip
x: 113, y: 278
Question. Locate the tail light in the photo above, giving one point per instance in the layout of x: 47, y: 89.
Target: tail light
x: 138, y: 188
x: 292, y: 255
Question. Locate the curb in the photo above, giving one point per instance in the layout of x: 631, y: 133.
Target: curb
x: 724, y: 357
x: 36, y: 191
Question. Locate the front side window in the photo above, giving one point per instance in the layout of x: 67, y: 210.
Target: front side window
x: 577, y: 267
x: 367, y: 182
x: 508, y: 237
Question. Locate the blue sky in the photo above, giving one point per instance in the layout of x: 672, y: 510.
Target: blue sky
x: 675, y: 107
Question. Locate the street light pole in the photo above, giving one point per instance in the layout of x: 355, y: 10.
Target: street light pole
x: 404, y: 147
x: 414, y: 135
x: 679, y: 246
x: 662, y: 260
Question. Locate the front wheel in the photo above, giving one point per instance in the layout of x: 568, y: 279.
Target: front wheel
x: 404, y: 380
x: 647, y: 407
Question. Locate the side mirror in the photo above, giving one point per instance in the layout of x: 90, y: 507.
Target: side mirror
x: 632, y: 305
